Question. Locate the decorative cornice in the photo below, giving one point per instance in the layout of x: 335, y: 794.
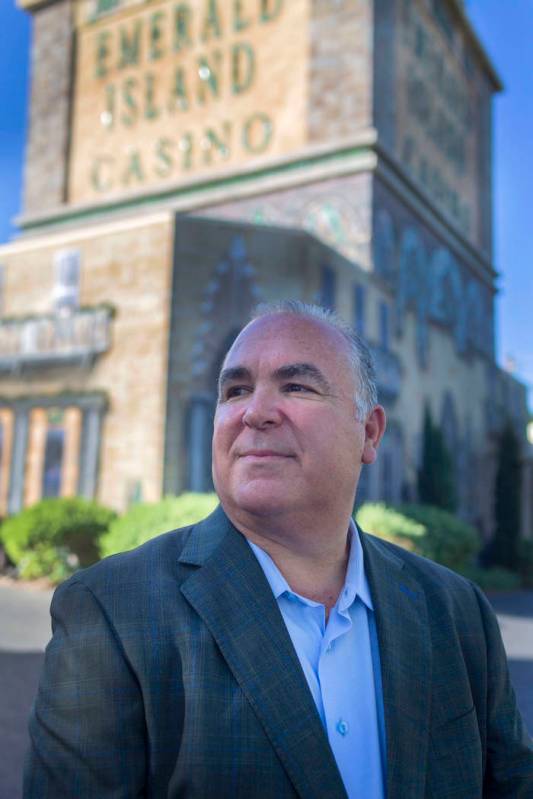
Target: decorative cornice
x: 33, y: 5
x: 313, y: 163
x: 395, y: 177
x: 92, y: 400
x: 459, y: 9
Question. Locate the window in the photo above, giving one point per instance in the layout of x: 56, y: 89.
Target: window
x: 66, y: 279
x: 53, y: 454
x: 327, y: 288
x: 384, y: 326
x: 359, y: 321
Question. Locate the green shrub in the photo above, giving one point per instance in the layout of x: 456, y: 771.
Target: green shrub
x: 426, y: 530
x: 56, y: 536
x: 493, y: 579
x: 146, y: 520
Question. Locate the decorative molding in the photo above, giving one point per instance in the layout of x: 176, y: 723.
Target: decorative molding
x: 97, y: 400
x: 312, y: 164
x: 388, y: 372
x: 34, y: 5
x: 397, y: 180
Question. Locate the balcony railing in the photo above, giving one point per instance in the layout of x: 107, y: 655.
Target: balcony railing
x: 388, y: 372
x: 67, y: 338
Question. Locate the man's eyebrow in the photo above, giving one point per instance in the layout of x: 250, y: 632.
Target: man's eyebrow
x: 287, y: 372
x: 233, y: 373
x: 308, y: 370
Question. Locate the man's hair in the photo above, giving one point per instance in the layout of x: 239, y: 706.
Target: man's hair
x: 366, y: 395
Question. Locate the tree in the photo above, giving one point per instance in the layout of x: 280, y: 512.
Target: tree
x: 507, y: 499
x: 436, y: 476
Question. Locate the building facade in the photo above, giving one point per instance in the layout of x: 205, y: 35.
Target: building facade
x: 186, y: 160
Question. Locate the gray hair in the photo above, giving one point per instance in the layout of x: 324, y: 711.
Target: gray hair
x: 366, y: 395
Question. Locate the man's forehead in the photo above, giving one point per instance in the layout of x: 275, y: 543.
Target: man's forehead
x: 286, y: 346
x: 286, y: 332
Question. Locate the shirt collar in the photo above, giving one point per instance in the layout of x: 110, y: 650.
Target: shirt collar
x: 355, y: 583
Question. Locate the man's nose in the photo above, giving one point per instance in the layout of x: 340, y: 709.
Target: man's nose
x: 262, y: 410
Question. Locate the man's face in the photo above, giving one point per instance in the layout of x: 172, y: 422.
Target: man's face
x: 286, y: 435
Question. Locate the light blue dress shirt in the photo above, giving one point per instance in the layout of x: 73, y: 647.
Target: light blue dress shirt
x: 340, y: 661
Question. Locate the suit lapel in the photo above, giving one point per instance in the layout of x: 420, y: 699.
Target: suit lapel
x: 232, y: 595
x: 405, y: 654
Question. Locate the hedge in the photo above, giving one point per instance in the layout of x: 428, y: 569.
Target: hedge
x: 146, y: 520
x: 424, y: 529
x: 56, y: 536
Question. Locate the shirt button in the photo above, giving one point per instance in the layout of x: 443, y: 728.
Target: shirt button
x: 342, y: 727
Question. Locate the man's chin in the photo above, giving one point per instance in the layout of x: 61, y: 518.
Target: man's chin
x: 261, y: 501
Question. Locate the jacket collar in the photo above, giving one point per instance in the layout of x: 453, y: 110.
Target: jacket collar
x: 405, y: 654
x: 231, y: 594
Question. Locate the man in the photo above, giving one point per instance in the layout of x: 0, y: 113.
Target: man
x: 273, y: 650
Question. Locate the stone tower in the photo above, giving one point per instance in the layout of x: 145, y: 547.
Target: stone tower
x: 187, y: 159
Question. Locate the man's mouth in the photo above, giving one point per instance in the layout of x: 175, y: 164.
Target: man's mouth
x: 263, y: 453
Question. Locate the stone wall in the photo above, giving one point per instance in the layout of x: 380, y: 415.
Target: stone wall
x: 340, y: 79
x: 127, y: 266
x: 48, y: 137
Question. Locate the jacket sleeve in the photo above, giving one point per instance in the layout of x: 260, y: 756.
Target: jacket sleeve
x: 87, y: 731
x: 509, y: 770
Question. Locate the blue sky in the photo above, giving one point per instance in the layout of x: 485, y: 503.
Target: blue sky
x: 506, y: 30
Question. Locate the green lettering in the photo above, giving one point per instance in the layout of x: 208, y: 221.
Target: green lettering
x: 101, y: 172
x: 239, y: 24
x: 257, y: 133
x: 156, y: 34
x: 150, y: 110
x: 270, y: 9
x: 102, y: 53
x: 211, y: 26
x: 212, y: 141
x: 134, y: 169
x: 130, y: 45
x: 182, y: 27
x: 208, y: 74
x: 242, y: 67
x: 178, y: 93
x: 129, y: 101
x: 164, y: 156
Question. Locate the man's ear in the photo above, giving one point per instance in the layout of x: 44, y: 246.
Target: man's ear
x: 375, y: 424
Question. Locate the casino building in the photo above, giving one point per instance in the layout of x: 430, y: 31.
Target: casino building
x: 186, y: 160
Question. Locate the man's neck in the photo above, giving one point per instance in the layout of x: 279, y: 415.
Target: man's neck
x: 311, y: 556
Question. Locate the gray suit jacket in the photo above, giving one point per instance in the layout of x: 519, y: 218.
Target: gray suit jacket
x: 171, y: 674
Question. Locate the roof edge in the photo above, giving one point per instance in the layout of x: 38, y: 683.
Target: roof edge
x: 461, y: 12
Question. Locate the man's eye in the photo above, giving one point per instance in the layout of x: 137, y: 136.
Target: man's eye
x: 235, y: 391
x: 297, y: 388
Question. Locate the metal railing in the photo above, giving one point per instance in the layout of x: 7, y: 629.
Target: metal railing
x: 68, y: 337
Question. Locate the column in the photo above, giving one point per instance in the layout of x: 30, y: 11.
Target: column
x: 18, y: 461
